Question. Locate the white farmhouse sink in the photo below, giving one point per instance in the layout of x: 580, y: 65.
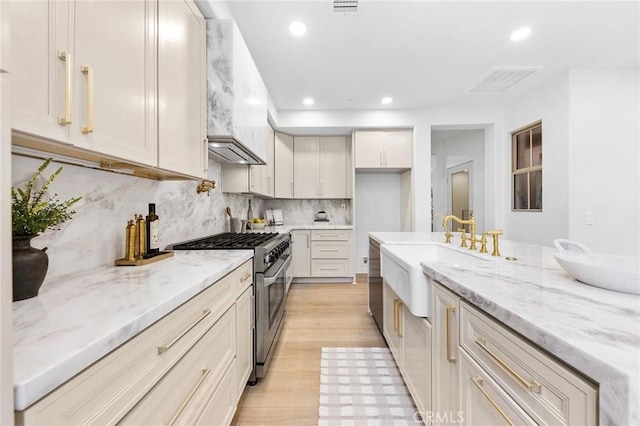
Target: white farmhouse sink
x: 613, y: 272
x: 400, y: 267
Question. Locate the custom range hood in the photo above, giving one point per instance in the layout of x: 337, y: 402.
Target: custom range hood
x: 230, y: 150
x: 237, y: 126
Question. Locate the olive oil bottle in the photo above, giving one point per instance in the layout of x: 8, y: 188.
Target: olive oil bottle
x: 153, y: 231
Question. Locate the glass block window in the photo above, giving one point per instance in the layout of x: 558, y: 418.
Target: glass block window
x: 526, y: 171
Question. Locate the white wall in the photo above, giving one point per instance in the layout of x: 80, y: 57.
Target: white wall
x: 549, y: 103
x: 378, y: 208
x: 95, y: 235
x: 605, y: 159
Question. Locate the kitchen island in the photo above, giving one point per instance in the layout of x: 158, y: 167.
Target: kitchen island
x: 79, y: 318
x: 595, y: 331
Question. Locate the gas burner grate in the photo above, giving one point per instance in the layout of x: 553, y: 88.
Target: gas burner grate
x: 228, y: 240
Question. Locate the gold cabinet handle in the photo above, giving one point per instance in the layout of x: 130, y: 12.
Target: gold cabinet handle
x: 400, y: 305
x: 88, y: 71
x: 164, y: 348
x: 329, y: 268
x: 395, y: 315
x: 479, y: 383
x: 68, y: 69
x: 329, y: 249
x: 308, y: 238
x: 450, y: 310
x: 329, y: 235
x: 205, y: 373
x: 245, y: 277
x: 531, y: 386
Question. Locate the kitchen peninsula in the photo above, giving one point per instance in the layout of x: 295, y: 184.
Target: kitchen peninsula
x: 592, y: 330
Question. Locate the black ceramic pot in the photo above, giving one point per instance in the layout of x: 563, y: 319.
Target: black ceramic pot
x: 29, y: 268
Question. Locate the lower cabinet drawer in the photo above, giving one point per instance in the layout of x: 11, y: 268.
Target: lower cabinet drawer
x: 181, y: 396
x: 108, y: 389
x: 482, y: 402
x: 547, y: 390
x: 329, y: 267
x: 330, y: 249
x: 220, y: 408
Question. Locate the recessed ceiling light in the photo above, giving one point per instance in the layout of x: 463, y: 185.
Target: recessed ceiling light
x: 520, y: 34
x: 386, y: 101
x: 297, y: 28
x: 307, y: 101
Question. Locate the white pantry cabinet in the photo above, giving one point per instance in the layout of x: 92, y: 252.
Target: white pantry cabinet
x: 118, y: 82
x: 384, y: 149
x: 320, y: 167
x: 283, y: 166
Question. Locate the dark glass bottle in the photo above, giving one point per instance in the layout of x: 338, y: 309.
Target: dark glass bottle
x: 153, y: 225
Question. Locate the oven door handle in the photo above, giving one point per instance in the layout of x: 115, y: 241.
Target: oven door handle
x: 272, y: 279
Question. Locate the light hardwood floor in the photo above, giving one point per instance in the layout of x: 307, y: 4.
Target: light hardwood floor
x: 317, y: 315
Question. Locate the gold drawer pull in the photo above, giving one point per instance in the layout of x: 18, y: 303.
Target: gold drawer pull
x: 450, y: 310
x: 400, y: 305
x: 329, y: 268
x: 89, y: 73
x: 245, y: 277
x: 395, y: 315
x: 68, y: 69
x: 330, y: 235
x: 478, y: 382
x: 329, y: 249
x: 164, y: 348
x: 532, y: 386
x: 205, y: 373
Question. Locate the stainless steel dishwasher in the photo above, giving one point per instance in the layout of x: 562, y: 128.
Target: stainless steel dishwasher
x: 375, y: 283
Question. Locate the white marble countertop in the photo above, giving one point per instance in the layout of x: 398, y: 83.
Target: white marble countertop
x: 78, y: 318
x: 289, y: 228
x: 594, y: 330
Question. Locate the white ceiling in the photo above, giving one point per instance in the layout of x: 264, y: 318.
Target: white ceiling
x: 426, y: 53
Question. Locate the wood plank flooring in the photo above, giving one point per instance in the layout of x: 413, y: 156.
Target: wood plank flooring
x: 317, y: 315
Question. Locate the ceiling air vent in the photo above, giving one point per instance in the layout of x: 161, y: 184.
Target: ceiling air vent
x: 501, y: 79
x: 345, y: 6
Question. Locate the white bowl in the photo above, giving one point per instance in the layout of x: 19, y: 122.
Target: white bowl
x: 610, y: 271
x: 258, y: 225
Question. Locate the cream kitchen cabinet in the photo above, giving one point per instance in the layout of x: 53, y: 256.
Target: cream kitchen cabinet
x: 322, y: 253
x: 383, y: 149
x: 188, y: 367
x: 182, y: 88
x: 320, y: 167
x: 409, y: 339
x: 255, y: 180
x: 103, y: 81
x: 301, y: 252
x: 489, y: 374
x: 445, y: 367
x: 284, y: 166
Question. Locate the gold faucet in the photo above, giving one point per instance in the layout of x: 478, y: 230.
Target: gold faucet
x: 472, y: 229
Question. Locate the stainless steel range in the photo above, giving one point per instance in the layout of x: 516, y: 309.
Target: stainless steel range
x: 272, y: 276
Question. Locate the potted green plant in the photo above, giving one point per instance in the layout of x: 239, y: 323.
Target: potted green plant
x: 33, y: 212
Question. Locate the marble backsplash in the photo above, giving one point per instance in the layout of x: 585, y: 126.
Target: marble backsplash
x: 296, y: 212
x: 95, y: 236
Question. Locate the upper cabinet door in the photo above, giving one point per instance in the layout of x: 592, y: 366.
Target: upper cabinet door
x: 397, y: 149
x: 333, y: 167
x: 368, y: 150
x: 182, y: 88
x: 306, y: 168
x: 115, y: 85
x: 284, y: 166
x: 42, y: 66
